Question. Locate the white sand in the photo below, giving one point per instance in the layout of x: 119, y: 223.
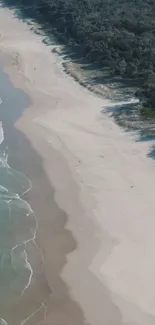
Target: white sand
x: 103, y: 180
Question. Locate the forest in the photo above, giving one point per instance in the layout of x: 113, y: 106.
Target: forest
x: 118, y: 34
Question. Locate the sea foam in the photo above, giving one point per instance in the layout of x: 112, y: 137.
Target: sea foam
x: 12, y: 188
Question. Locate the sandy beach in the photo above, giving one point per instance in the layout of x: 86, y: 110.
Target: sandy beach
x: 92, y: 193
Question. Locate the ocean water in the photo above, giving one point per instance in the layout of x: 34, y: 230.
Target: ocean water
x: 17, y: 220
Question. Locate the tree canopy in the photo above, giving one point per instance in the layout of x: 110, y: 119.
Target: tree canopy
x: 119, y: 34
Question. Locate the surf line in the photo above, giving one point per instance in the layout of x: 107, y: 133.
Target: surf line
x: 27, y: 264
x: 2, y: 321
x: 34, y: 313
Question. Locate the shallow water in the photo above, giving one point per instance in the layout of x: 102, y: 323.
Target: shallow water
x: 17, y: 220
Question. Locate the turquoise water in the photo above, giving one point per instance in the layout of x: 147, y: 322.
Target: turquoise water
x: 17, y: 221
x: 17, y: 227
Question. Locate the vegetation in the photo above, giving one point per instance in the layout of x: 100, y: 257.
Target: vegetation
x: 119, y: 34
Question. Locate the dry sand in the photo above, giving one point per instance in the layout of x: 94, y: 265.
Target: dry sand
x: 103, y: 182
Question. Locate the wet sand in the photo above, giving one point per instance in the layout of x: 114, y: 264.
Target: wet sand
x: 97, y: 259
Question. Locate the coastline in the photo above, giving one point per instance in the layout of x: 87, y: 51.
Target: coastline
x: 80, y: 158
x: 40, y: 295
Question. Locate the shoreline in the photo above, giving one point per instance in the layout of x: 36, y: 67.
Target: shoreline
x: 88, y: 191
x: 44, y: 278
